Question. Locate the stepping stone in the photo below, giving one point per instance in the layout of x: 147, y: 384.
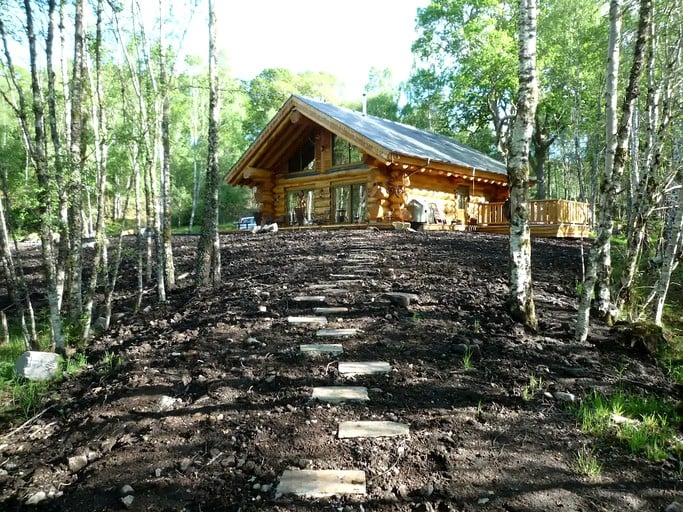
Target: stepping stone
x: 335, y: 333
x: 364, y: 368
x: 357, y: 269
x: 337, y: 291
x: 320, y: 483
x: 323, y: 286
x: 342, y: 282
x: 309, y: 298
x: 319, y: 349
x: 336, y: 394
x: 330, y: 311
x: 307, y: 320
x: 401, y: 298
x: 349, y: 429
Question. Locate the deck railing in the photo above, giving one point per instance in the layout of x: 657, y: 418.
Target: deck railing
x: 543, y: 211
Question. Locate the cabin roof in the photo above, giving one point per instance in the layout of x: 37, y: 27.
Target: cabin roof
x: 379, y: 138
x: 407, y: 140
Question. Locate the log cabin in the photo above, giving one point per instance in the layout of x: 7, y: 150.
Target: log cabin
x: 317, y: 164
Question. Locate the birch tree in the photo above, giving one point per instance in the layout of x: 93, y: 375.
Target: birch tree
x: 208, y: 267
x: 35, y: 140
x: 599, y: 270
x: 521, y: 289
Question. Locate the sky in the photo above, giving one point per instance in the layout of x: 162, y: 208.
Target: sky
x: 345, y: 38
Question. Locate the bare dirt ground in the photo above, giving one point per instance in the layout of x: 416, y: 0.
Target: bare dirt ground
x: 200, y: 404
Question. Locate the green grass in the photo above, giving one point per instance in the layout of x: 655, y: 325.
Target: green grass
x: 646, y: 426
x: 467, y: 362
x: 20, y: 398
x: 530, y: 390
x: 587, y: 464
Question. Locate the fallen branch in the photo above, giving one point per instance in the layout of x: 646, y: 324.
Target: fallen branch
x: 27, y: 422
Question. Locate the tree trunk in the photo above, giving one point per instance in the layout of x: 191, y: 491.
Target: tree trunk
x: 599, y: 263
x: 63, y: 246
x: 671, y: 253
x: 165, y: 191
x: 521, y: 289
x: 101, y: 147
x: 649, y: 185
x: 77, y: 149
x: 208, y: 267
x: 16, y: 285
x: 46, y: 183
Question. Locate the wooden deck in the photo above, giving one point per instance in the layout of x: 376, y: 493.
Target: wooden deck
x: 550, y: 218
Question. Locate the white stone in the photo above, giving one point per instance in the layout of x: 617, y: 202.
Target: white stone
x: 336, y: 394
x: 34, y: 365
x: 337, y: 291
x: 364, y: 368
x: 309, y: 298
x: 335, y: 333
x: 562, y: 396
x: 307, y: 320
x: 330, y: 311
x: 317, y: 349
x: 128, y: 500
x: 402, y: 297
x: 321, y: 483
x: 345, y: 276
x: 349, y: 429
x: 36, y: 498
x: 77, y: 462
x: 127, y: 489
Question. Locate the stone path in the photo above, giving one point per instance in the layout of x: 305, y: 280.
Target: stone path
x: 359, y: 264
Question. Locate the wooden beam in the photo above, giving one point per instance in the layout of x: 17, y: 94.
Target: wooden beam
x: 256, y: 174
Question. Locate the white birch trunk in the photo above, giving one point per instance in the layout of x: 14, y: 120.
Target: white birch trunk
x: 599, y: 263
x: 670, y: 262
x: 208, y: 267
x: 521, y: 288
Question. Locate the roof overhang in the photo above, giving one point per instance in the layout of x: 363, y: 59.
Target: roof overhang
x: 296, y: 118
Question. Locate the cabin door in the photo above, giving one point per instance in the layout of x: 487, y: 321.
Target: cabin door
x: 461, y: 196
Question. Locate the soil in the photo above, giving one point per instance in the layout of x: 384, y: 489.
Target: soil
x: 201, y: 403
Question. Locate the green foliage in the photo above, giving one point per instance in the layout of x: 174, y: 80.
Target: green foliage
x: 467, y: 362
x: 111, y: 363
x: 647, y: 426
x: 587, y: 464
x: 271, y: 88
x: 530, y: 390
x: 27, y: 396
x: 75, y: 364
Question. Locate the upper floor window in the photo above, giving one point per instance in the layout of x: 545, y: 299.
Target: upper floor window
x: 343, y: 152
x: 303, y: 159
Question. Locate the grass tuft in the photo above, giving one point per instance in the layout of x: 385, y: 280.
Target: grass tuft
x: 587, y: 464
x: 646, y: 425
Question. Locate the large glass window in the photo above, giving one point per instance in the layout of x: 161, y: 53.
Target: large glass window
x: 343, y: 152
x: 300, y: 206
x: 303, y: 159
x: 350, y: 203
x: 461, y: 195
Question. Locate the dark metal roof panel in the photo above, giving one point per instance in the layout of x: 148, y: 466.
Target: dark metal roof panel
x: 407, y: 140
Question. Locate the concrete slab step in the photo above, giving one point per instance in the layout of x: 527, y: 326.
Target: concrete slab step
x: 309, y: 298
x: 330, y: 310
x: 335, y: 333
x: 353, y: 429
x: 345, y: 276
x: 321, y: 349
x: 319, y: 320
x: 363, y: 368
x: 320, y: 483
x: 337, y: 394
